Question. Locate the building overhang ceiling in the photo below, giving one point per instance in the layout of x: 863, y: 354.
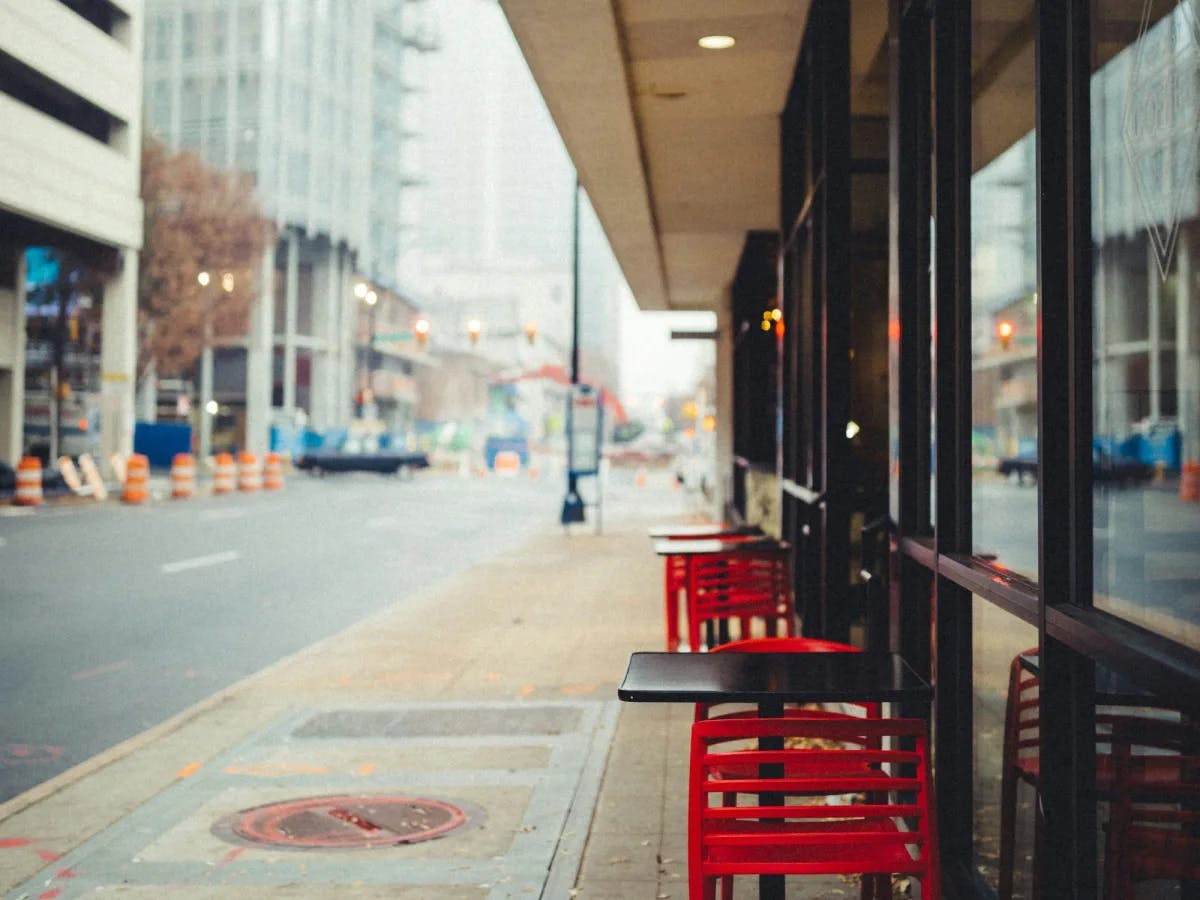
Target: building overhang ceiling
x: 677, y: 146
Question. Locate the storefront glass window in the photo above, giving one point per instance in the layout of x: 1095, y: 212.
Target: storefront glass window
x: 1004, y: 804
x: 1004, y: 284
x: 1145, y: 110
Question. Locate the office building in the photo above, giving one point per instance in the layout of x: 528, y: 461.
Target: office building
x: 311, y: 98
x: 70, y: 145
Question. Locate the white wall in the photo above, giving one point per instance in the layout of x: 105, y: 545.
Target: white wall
x: 50, y: 172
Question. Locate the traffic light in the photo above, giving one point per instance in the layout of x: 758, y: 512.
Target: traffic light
x: 1005, y: 331
x: 531, y: 332
x: 473, y: 329
x: 421, y: 327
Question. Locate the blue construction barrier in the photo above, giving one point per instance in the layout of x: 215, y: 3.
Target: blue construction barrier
x: 160, y: 441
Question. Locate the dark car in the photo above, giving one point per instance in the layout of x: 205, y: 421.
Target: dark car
x: 386, y: 462
x: 52, y: 480
x: 1106, y: 469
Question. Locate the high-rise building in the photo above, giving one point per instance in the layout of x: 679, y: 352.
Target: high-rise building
x: 311, y: 97
x: 497, y: 243
x: 70, y: 146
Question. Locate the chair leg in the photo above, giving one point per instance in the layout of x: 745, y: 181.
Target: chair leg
x: 1038, y: 837
x: 1008, y: 827
x: 875, y: 887
x: 673, y: 620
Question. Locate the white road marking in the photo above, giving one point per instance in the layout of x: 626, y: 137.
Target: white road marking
x: 199, y: 562
x: 209, y: 515
x: 382, y: 522
x: 13, y: 512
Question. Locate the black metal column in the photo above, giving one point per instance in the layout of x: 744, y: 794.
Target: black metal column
x: 909, y: 310
x: 1067, y: 861
x: 952, y: 664
x: 835, y: 311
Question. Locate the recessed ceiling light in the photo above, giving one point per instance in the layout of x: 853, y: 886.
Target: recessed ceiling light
x: 716, y: 42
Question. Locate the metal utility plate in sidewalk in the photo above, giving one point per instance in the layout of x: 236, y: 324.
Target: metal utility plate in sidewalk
x: 526, y: 773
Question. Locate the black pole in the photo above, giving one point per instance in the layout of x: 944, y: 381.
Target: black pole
x: 575, y: 288
x: 572, y: 510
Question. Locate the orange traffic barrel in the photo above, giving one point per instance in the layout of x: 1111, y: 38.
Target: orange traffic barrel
x: 506, y: 463
x: 29, y: 482
x: 137, y: 479
x: 183, y: 475
x: 223, y: 474
x: 1189, y: 482
x: 249, y: 474
x: 272, y: 479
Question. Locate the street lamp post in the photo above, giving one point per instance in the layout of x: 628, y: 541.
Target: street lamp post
x: 370, y: 298
x: 208, y: 406
x: 204, y: 446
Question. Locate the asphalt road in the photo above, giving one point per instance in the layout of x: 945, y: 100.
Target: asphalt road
x: 114, y: 618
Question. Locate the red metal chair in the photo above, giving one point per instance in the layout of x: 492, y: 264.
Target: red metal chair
x: 828, y: 827
x: 676, y: 577
x: 676, y: 571
x: 1154, y: 823
x: 789, y: 645
x: 749, y: 583
x: 1021, y: 760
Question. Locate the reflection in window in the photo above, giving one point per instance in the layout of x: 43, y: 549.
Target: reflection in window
x: 1146, y: 234
x: 1003, y: 285
x: 1004, y: 803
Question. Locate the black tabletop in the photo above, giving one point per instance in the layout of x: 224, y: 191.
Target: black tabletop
x: 726, y: 544
x: 706, y: 530
x: 771, y: 677
x: 1112, y: 688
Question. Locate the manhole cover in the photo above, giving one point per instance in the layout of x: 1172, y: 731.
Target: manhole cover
x: 343, y: 822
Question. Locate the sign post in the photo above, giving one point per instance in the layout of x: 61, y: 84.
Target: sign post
x: 584, y: 427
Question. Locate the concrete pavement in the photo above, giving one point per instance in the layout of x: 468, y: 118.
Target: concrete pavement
x: 491, y: 694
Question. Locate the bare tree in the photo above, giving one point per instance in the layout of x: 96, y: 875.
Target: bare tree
x: 197, y: 220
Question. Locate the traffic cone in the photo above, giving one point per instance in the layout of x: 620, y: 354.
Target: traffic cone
x: 223, y: 474
x: 29, y: 482
x: 272, y: 479
x: 1189, y: 482
x: 183, y: 476
x: 137, y: 479
x: 506, y: 464
x: 249, y: 475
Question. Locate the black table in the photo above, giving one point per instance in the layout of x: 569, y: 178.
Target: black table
x: 1112, y: 688
x: 770, y: 680
x: 707, y: 530
x: 726, y: 543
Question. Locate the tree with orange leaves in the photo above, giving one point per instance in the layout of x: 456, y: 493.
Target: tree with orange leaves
x: 197, y: 220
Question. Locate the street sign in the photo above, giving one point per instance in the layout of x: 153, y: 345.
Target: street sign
x: 584, y: 417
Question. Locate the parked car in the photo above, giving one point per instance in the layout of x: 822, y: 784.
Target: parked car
x: 386, y: 462
x: 1106, y: 468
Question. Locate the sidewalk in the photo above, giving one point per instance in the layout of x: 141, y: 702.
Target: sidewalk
x: 492, y: 693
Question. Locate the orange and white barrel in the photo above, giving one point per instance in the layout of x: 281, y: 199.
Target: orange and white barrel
x: 249, y: 474
x: 183, y: 476
x: 1189, y: 482
x: 137, y: 479
x: 224, y: 474
x: 272, y: 478
x: 507, y: 463
x: 29, y: 482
